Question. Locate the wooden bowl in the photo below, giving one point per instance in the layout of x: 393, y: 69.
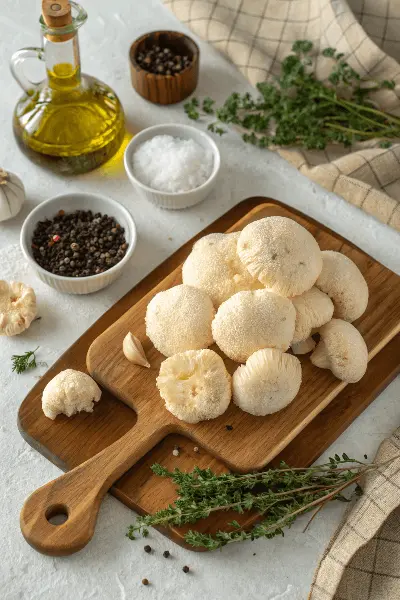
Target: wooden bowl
x: 165, y: 89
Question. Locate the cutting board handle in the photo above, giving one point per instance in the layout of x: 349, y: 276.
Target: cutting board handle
x: 77, y: 495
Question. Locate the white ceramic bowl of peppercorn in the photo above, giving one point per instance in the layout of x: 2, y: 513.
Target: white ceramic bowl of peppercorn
x: 68, y: 246
x: 180, y: 133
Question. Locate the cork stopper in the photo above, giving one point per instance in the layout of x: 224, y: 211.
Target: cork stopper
x: 57, y: 14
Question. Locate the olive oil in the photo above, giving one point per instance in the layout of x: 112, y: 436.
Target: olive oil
x: 72, y: 123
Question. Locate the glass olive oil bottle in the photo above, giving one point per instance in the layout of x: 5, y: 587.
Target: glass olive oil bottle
x: 70, y: 122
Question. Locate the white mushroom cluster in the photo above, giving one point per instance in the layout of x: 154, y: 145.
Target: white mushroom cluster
x: 342, y: 350
x: 195, y: 385
x: 344, y: 283
x: 268, y: 382
x: 272, y: 289
x: 215, y: 267
x: 250, y: 321
x: 179, y: 319
x: 282, y: 254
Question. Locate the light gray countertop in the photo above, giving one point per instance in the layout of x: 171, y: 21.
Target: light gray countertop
x: 111, y: 567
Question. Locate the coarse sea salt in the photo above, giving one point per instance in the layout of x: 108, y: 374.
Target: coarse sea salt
x: 172, y: 164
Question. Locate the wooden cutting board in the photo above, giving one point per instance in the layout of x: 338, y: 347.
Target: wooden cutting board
x: 254, y: 441
x: 69, y: 442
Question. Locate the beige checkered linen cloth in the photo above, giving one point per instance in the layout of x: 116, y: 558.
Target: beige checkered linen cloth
x: 257, y: 34
x: 362, y: 561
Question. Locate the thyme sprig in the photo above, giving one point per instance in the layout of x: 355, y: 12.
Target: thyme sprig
x: 24, y: 362
x: 298, y: 109
x: 279, y: 496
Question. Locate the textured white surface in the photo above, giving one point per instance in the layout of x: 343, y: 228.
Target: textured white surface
x: 112, y: 567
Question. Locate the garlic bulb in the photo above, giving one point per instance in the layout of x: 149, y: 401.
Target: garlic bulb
x: 133, y: 350
x: 12, y: 195
x: 17, y: 307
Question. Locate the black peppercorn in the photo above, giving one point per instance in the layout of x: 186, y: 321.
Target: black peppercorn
x: 147, y: 549
x: 229, y: 427
x: 162, y: 61
x: 65, y: 243
x: 185, y: 569
x: 166, y: 553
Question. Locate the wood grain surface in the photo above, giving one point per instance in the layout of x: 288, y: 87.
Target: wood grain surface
x: 165, y: 89
x: 70, y: 442
x: 254, y: 441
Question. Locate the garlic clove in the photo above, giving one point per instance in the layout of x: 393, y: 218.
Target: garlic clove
x: 12, y: 195
x: 133, y: 350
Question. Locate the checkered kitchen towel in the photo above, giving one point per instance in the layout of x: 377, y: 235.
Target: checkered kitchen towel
x: 362, y: 561
x: 257, y: 34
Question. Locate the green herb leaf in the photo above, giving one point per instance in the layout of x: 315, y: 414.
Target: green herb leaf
x: 190, y: 108
x: 24, y: 362
x: 208, y: 104
x: 279, y: 496
x: 390, y: 85
x: 329, y: 52
x: 295, y: 108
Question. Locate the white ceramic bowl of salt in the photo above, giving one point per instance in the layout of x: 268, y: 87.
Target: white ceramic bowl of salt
x: 156, y: 168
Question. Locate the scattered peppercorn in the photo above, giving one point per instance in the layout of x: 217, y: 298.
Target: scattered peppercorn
x: 175, y: 451
x: 78, y: 244
x: 166, y: 553
x: 145, y: 581
x: 185, y: 569
x: 229, y: 427
x: 147, y: 549
x: 196, y: 449
x: 254, y: 553
x: 163, y: 61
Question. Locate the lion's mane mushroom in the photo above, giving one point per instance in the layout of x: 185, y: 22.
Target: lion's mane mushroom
x: 344, y: 283
x: 215, y: 267
x: 282, y: 254
x: 342, y: 350
x: 313, y: 309
x: 17, y: 307
x: 268, y: 382
x: 68, y: 393
x: 179, y: 319
x: 195, y: 385
x: 303, y: 347
x: 249, y: 321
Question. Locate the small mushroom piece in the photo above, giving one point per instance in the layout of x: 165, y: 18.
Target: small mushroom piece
x: 133, y: 350
x: 313, y: 309
x: 342, y: 350
x: 268, y: 382
x: 17, y: 307
x: 68, y: 393
x: 303, y: 347
x: 282, y: 254
x: 344, y: 283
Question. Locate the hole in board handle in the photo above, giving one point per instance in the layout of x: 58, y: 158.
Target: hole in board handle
x: 57, y: 514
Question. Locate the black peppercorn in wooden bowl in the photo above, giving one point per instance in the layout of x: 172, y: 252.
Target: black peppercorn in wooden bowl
x: 164, y: 66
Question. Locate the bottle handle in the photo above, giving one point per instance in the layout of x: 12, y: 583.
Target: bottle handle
x: 17, y: 66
